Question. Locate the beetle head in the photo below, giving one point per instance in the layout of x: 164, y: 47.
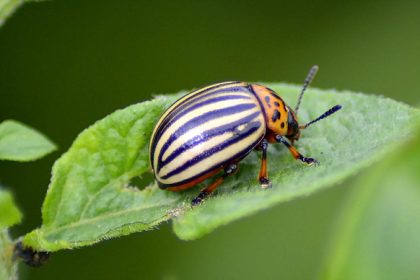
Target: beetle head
x: 293, y: 132
x: 293, y: 129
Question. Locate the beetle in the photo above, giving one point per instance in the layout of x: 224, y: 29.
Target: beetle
x: 213, y: 128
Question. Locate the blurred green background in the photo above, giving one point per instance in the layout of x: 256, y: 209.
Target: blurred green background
x: 66, y: 64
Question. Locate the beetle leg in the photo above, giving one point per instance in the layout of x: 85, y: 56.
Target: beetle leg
x: 263, y: 176
x: 295, y: 153
x: 229, y: 170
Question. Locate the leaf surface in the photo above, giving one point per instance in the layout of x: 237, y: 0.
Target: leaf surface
x: 9, y: 213
x: 90, y: 198
x: 7, y: 7
x: 19, y: 142
x: 377, y: 235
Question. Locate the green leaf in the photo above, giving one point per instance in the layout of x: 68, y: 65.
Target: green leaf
x: 19, y: 142
x: 89, y: 198
x: 8, y: 7
x: 377, y: 235
x: 9, y: 215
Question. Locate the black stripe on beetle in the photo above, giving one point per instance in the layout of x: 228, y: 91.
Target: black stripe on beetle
x: 212, y: 151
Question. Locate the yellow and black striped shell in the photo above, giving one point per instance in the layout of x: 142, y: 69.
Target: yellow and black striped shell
x: 210, y: 128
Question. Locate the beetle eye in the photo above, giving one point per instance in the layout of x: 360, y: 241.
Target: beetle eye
x: 292, y: 125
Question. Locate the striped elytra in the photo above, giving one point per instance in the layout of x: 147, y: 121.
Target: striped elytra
x: 207, y: 129
x: 211, y: 129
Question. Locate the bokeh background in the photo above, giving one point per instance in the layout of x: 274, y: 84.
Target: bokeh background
x: 66, y: 64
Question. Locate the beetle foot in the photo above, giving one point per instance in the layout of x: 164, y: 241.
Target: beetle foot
x: 310, y: 161
x: 196, y: 201
x: 199, y: 199
x: 265, y: 183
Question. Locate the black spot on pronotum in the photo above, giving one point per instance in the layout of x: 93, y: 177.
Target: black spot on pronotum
x: 276, y: 104
x: 267, y: 100
x: 282, y: 125
x: 276, y: 115
x: 30, y: 256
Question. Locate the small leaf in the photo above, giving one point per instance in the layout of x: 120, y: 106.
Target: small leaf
x: 9, y: 215
x: 19, y: 142
x: 8, y: 7
x: 377, y: 235
x: 89, y: 198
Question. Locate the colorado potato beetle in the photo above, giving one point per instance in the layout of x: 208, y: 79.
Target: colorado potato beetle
x: 213, y: 128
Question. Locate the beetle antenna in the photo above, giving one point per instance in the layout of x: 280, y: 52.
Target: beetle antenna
x: 308, y: 80
x: 323, y: 116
